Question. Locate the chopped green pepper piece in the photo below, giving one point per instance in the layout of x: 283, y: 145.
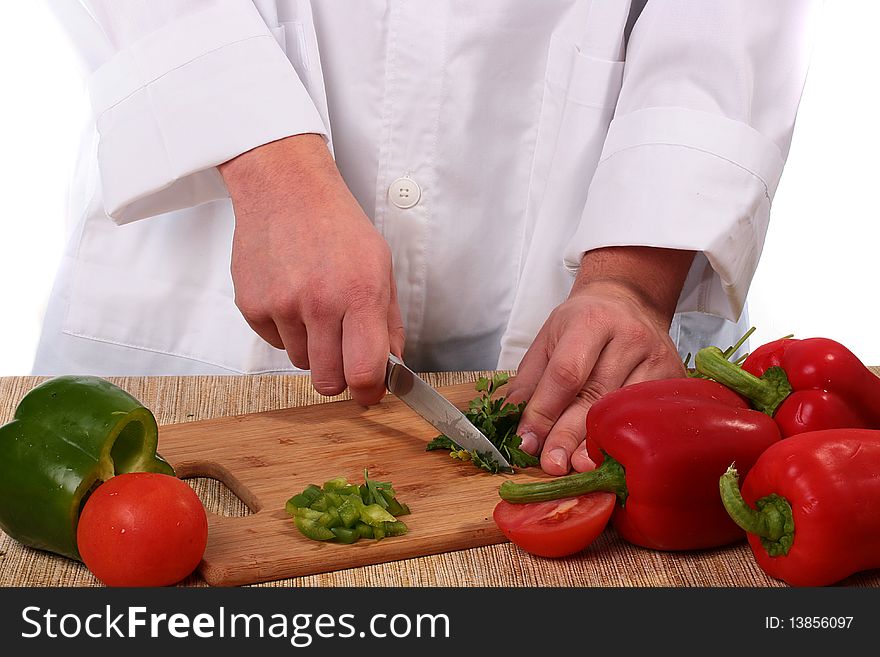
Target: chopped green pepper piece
x: 375, y: 515
x: 364, y: 530
x: 396, y: 528
x: 311, y: 529
x: 346, y: 512
x: 330, y: 518
x: 340, y: 486
x: 312, y: 492
x: 345, y: 535
x: 334, y: 499
x: 350, y: 511
x: 306, y: 512
x: 297, y: 501
x: 321, y: 504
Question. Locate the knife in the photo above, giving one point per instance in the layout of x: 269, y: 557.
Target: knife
x: 436, y: 409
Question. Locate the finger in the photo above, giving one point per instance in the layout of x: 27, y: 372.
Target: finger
x: 396, y: 333
x: 531, y: 367
x: 580, y: 460
x: 365, y: 347
x: 325, y: 356
x: 566, y: 373
x: 295, y: 340
x: 649, y: 370
x: 569, y: 431
x: 612, y: 368
x: 267, y: 330
x: 522, y: 387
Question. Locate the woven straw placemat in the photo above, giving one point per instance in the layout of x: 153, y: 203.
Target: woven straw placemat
x: 608, y: 562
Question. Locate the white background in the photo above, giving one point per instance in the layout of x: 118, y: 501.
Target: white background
x: 818, y: 274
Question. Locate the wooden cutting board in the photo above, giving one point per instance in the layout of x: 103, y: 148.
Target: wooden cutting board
x: 265, y: 458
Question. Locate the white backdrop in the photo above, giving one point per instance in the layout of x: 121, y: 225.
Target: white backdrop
x: 817, y: 275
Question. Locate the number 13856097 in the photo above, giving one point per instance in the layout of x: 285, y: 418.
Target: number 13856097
x: 808, y: 622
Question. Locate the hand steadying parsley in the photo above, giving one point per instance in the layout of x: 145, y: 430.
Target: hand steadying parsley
x: 497, y: 420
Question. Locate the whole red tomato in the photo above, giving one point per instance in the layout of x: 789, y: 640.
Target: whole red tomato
x: 142, y: 529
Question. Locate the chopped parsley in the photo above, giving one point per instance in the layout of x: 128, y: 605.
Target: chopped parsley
x: 497, y: 419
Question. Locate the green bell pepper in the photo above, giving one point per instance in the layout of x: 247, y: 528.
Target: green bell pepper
x: 69, y: 435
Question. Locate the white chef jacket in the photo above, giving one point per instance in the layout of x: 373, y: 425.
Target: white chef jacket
x: 491, y: 142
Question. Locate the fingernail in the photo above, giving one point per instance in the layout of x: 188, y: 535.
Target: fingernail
x: 559, y: 457
x: 513, y: 396
x: 529, y: 442
x: 581, y: 462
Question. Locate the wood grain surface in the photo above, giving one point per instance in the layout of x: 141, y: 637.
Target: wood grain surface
x: 610, y: 561
x: 265, y: 458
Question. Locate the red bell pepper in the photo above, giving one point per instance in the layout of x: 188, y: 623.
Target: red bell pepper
x: 816, y: 499
x: 805, y: 385
x: 661, y: 446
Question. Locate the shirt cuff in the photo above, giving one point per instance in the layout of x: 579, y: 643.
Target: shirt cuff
x: 187, y: 97
x: 684, y: 179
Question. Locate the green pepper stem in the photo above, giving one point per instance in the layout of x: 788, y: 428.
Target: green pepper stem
x: 772, y: 521
x: 728, y: 354
x: 609, y: 477
x: 766, y: 393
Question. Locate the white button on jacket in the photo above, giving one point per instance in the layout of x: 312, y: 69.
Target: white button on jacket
x: 404, y: 193
x: 531, y: 131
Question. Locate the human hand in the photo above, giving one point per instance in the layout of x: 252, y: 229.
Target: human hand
x: 611, y: 331
x: 311, y: 273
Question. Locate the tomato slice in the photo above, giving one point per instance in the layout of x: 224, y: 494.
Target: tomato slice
x: 556, y: 528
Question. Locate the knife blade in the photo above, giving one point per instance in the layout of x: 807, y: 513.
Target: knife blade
x: 436, y: 409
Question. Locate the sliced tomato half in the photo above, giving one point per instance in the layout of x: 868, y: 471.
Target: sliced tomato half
x: 557, y: 528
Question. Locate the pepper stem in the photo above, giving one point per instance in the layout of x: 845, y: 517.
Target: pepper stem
x: 766, y: 392
x: 727, y: 353
x: 731, y: 350
x: 772, y: 521
x: 609, y: 477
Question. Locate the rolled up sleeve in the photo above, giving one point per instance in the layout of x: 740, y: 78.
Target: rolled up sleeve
x: 701, y: 131
x: 200, y: 89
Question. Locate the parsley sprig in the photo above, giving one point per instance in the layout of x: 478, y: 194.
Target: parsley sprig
x: 383, y: 494
x: 497, y: 419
